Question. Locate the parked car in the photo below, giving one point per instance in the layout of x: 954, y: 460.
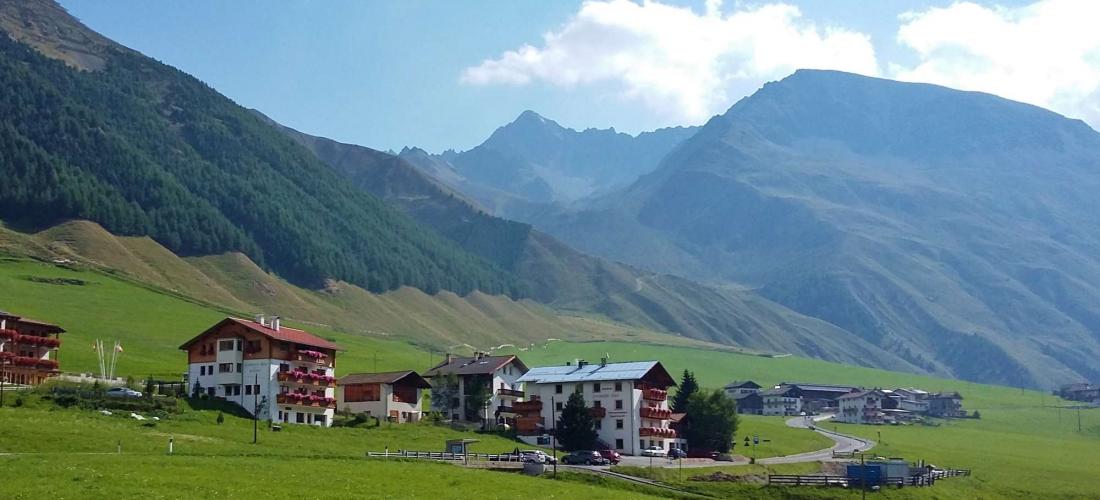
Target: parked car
x: 584, y: 457
x: 537, y: 456
x: 122, y: 392
x: 677, y: 453
x: 611, y: 455
x: 654, y: 451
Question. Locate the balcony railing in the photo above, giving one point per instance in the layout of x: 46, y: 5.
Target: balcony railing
x: 597, y: 412
x: 505, y: 409
x: 655, y: 413
x: 657, y: 432
x: 28, y: 362
x: 310, y: 400
x: 31, y: 340
x: 309, y: 356
x: 510, y: 393
x: 527, y: 406
x: 654, y: 395
x: 306, y: 378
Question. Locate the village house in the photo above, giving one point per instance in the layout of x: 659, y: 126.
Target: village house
x: 494, y: 377
x: 741, y: 388
x: 781, y: 400
x: 1083, y: 392
x: 747, y: 395
x: 629, y: 402
x: 819, y: 397
x: 254, y: 362
x: 946, y: 404
x: 861, y: 407
x: 394, y: 396
x: 28, y: 350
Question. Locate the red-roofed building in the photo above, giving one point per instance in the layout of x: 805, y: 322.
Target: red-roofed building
x: 246, y: 361
x: 28, y: 350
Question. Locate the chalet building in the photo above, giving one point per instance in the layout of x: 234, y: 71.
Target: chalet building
x: 946, y: 405
x: 1084, y: 392
x: 862, y: 407
x: 782, y: 400
x: 493, y: 376
x: 394, y: 396
x: 818, y: 397
x: 629, y: 402
x: 249, y: 362
x: 28, y: 350
x: 741, y: 388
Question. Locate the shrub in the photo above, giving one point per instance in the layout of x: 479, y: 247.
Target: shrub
x: 18, y: 402
x: 221, y: 418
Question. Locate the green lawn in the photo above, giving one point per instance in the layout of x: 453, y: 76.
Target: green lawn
x: 782, y: 440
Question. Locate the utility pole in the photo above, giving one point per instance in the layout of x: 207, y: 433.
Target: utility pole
x: 554, y: 435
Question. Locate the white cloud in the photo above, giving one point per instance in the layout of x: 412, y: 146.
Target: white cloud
x: 1046, y: 53
x: 680, y: 63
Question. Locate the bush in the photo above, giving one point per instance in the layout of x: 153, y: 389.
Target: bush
x: 221, y: 418
x: 18, y: 402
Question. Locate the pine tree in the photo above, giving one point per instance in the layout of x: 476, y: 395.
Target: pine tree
x: 687, y: 387
x: 712, y: 421
x: 576, y: 430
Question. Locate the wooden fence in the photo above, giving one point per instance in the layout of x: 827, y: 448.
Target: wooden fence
x: 921, y: 480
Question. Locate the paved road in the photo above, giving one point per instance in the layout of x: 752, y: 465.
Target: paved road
x: 844, y: 443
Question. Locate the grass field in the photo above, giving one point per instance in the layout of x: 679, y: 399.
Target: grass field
x: 1024, y: 445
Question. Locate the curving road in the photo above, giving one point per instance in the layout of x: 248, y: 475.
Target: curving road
x: 844, y: 443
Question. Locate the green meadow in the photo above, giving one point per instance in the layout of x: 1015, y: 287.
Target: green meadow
x: 1026, y: 444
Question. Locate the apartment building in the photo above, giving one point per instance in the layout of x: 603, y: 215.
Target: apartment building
x: 481, y: 375
x: 248, y: 363
x: 28, y: 350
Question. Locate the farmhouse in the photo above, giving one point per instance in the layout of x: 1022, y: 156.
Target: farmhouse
x: 817, y: 397
x: 28, y: 349
x: 492, y: 379
x: 284, y: 372
x: 738, y: 389
x: 394, y: 396
x: 946, y: 404
x: 782, y: 400
x: 628, y: 400
x: 1084, y: 392
x: 751, y: 404
x: 862, y: 407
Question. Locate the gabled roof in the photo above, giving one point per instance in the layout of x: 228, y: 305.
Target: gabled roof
x: 284, y: 333
x: 821, y: 387
x: 483, y: 365
x: 782, y: 390
x: 49, y: 326
x: 946, y: 395
x: 676, y: 417
x: 860, y: 394
x: 384, y: 378
x: 634, y: 370
x: 739, y: 384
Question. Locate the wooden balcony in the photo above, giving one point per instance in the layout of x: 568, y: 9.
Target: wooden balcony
x: 655, y: 413
x: 305, y: 400
x: 657, y: 432
x: 527, y: 406
x: 306, y: 379
x: 505, y: 410
x: 509, y: 393
x: 654, y: 395
x: 309, y: 356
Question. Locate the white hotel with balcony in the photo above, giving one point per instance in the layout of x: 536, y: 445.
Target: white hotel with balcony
x: 243, y: 361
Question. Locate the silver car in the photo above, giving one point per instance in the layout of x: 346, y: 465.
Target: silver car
x: 123, y: 392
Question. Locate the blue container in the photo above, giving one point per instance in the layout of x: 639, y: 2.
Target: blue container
x: 872, y: 472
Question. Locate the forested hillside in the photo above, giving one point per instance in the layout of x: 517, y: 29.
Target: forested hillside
x: 144, y: 149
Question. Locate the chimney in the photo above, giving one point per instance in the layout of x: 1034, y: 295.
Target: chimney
x: 260, y: 319
x: 449, y: 358
x: 603, y: 361
x: 581, y: 362
x: 275, y: 323
x: 568, y: 363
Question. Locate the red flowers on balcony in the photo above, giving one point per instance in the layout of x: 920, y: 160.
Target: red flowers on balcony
x: 28, y: 362
x: 654, y: 394
x: 305, y: 399
x: 312, y: 354
x: 8, y: 334
x: 33, y: 340
x: 655, y: 413
x: 304, y: 377
x: 657, y: 432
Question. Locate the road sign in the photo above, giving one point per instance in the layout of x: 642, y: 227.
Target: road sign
x: 755, y: 439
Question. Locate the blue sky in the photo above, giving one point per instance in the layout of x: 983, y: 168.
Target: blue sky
x: 444, y: 74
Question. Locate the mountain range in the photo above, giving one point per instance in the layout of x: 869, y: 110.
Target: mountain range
x: 954, y: 229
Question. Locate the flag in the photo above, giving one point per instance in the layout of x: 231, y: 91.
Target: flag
x: 118, y: 347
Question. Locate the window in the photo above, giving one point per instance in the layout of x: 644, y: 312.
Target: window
x: 641, y: 443
x: 280, y: 414
x: 618, y: 386
x: 597, y: 403
x: 283, y: 367
x: 210, y: 391
x: 579, y: 388
x: 227, y: 345
x: 558, y: 406
x: 225, y: 367
x: 362, y: 392
x: 596, y: 387
x: 300, y: 418
x: 256, y: 389
x: 248, y: 390
x: 557, y: 389
x: 202, y: 370
x: 236, y: 390
x: 618, y: 444
x: 618, y: 404
x: 619, y: 424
